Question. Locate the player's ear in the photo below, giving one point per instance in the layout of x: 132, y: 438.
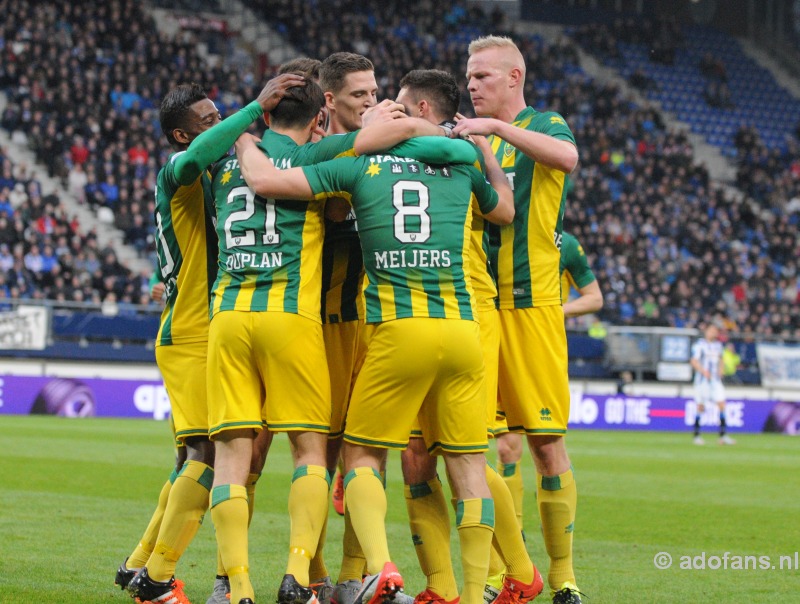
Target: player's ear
x: 516, y: 77
x: 423, y: 107
x: 311, y: 126
x: 330, y: 100
x: 266, y: 119
x: 181, y: 136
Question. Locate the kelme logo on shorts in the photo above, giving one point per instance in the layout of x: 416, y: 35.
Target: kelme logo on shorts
x: 544, y: 414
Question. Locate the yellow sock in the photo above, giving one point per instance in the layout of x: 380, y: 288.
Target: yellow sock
x: 317, y: 569
x: 353, y: 561
x: 475, y: 522
x: 308, y: 509
x: 512, y: 475
x: 430, y: 531
x: 221, y: 572
x: 367, y: 504
x: 496, y: 565
x: 229, y: 513
x: 506, y: 530
x: 188, y: 502
x: 142, y: 551
x: 558, y: 499
x: 250, y: 487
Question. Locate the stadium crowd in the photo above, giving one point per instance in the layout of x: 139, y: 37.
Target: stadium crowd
x: 84, y: 80
x: 83, y: 83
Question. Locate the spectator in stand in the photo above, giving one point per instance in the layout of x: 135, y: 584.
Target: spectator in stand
x: 77, y: 181
x: 713, y: 68
x: 640, y: 201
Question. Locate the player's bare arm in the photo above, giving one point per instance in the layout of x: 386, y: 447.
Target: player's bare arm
x: 590, y: 300
x: 276, y: 89
x: 504, y: 212
x: 544, y: 149
x: 264, y: 178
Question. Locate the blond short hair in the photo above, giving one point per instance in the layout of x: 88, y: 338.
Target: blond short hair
x: 491, y: 42
x: 512, y: 58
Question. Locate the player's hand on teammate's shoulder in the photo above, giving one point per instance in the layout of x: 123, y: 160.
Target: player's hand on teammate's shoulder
x: 245, y: 141
x: 384, y: 111
x: 482, y: 126
x: 276, y: 89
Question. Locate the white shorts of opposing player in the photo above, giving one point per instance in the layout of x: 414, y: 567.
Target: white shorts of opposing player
x: 709, y: 392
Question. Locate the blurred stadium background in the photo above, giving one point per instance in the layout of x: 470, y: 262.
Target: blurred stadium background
x: 686, y: 198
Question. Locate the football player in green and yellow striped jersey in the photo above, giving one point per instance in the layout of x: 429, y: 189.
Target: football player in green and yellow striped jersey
x: 434, y: 95
x: 184, y: 240
x: 576, y: 274
x: 536, y: 151
x: 348, y: 80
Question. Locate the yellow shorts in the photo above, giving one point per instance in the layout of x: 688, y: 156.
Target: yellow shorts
x: 267, y: 368
x: 183, y: 367
x: 490, y: 347
x: 499, y: 425
x: 533, y: 380
x: 345, y: 347
x: 426, y: 368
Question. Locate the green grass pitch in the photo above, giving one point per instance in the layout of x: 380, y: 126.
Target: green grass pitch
x: 76, y: 495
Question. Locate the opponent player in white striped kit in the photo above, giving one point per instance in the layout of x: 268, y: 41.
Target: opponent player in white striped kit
x: 708, y: 389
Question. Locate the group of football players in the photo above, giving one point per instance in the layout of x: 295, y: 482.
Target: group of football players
x: 365, y: 279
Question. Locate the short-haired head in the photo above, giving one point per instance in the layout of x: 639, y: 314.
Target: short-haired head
x: 336, y: 67
x: 504, y: 44
x: 304, y: 66
x: 298, y: 106
x: 176, y: 109
x: 437, y: 87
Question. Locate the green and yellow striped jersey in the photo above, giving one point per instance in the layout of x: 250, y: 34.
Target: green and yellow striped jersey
x: 185, y: 245
x: 574, y: 268
x: 484, y: 280
x: 342, y: 272
x: 526, y: 254
x: 270, y: 251
x: 414, y: 221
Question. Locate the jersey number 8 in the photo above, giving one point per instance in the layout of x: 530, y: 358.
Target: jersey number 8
x: 412, y: 224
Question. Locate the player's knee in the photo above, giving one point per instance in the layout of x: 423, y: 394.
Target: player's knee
x: 199, y: 448
x: 467, y: 475
x: 309, y: 448
x: 549, y: 454
x: 418, y: 465
x: 509, y: 448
